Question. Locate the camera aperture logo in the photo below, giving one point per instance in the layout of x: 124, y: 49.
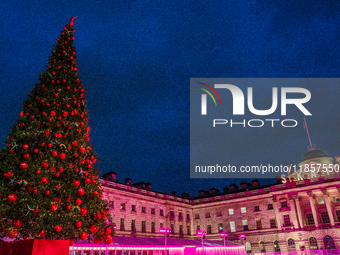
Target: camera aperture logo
x: 238, y: 99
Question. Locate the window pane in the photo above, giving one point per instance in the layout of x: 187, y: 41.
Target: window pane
x: 232, y: 226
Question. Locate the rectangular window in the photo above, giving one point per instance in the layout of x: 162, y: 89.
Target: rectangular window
x: 243, y: 210
x: 336, y: 199
x: 197, y: 216
x: 198, y: 227
x: 181, y: 230
x: 172, y: 229
x: 208, y: 229
x: 122, y: 227
x: 143, y: 209
x: 111, y: 205
x: 325, y: 217
x: 284, y: 204
x: 180, y: 216
x: 161, y: 212
x: 321, y: 201
x: 259, y: 224
x: 232, y: 226
x: 188, y: 230
x: 273, y: 223
x: 172, y: 215
x: 220, y: 227
x: 153, y: 211
x: 188, y: 217
x: 270, y: 207
x: 338, y: 214
x: 122, y: 206
x: 153, y: 227
x: 231, y: 211
x: 161, y: 225
x: 143, y: 227
x: 133, y: 208
x: 245, y: 225
x: 286, y: 220
x: 133, y: 225
x: 218, y: 214
x: 207, y: 214
x: 310, y: 219
x: 256, y: 208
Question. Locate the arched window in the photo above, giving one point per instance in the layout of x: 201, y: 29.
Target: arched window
x: 291, y: 243
x: 262, y: 247
x: 276, y: 245
x: 248, y: 247
x: 313, y: 243
x: 328, y: 242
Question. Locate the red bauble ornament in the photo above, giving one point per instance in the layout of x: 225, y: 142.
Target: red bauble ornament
x: 53, y: 207
x: 26, y: 156
x: 37, y: 172
x: 44, y: 180
x: 52, y: 113
x: 25, y: 146
x: 76, y: 183
x: 12, y: 233
x: 94, y: 229
x: 47, y: 192
x: 11, y: 198
x: 88, y: 181
x: 57, y: 174
x: 83, y: 211
x: 109, y: 239
x: 11, y: 151
x: 78, y: 201
x: 47, y: 132
x: 94, y: 181
x: 75, y: 143
x: 108, y: 231
x: 97, y: 216
x: 62, y: 155
x: 64, y: 114
x: 17, y: 223
x: 8, y: 175
x: 78, y: 223
x: 83, y: 236
x: 81, y: 192
x: 54, y: 153
x: 68, y: 207
x: 81, y: 149
x: 61, y: 169
x: 42, y: 145
x: 76, y: 170
x: 50, y: 145
x: 36, y: 150
x: 41, y: 234
x: 95, y: 193
x: 101, y: 196
x: 96, y: 240
x: 57, y: 228
x: 76, y: 155
x: 23, y: 165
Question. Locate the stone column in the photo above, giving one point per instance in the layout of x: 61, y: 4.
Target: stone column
x: 328, y: 206
x: 293, y: 211
x: 277, y: 213
x: 298, y: 208
x: 312, y: 205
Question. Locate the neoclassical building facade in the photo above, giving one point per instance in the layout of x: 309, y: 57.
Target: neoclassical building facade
x: 296, y: 215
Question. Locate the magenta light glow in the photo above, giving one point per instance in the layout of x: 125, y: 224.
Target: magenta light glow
x: 201, y: 233
x: 223, y: 234
x: 164, y: 230
x: 243, y: 236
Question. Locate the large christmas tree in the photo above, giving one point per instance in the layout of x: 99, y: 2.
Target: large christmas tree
x: 49, y: 187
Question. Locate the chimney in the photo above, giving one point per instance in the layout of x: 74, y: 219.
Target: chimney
x: 185, y: 195
x: 110, y: 176
x: 128, y: 181
x: 255, y: 183
x: 233, y: 187
x: 174, y: 193
x: 148, y: 186
x: 201, y: 193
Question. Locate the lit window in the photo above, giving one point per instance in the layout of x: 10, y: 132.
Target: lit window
x: 245, y: 225
x: 220, y: 227
x: 336, y: 199
x: 122, y: 206
x: 231, y: 211
x: 243, y: 210
x: 232, y: 226
x: 321, y: 201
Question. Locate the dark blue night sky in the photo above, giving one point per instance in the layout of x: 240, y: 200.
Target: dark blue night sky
x: 136, y: 59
